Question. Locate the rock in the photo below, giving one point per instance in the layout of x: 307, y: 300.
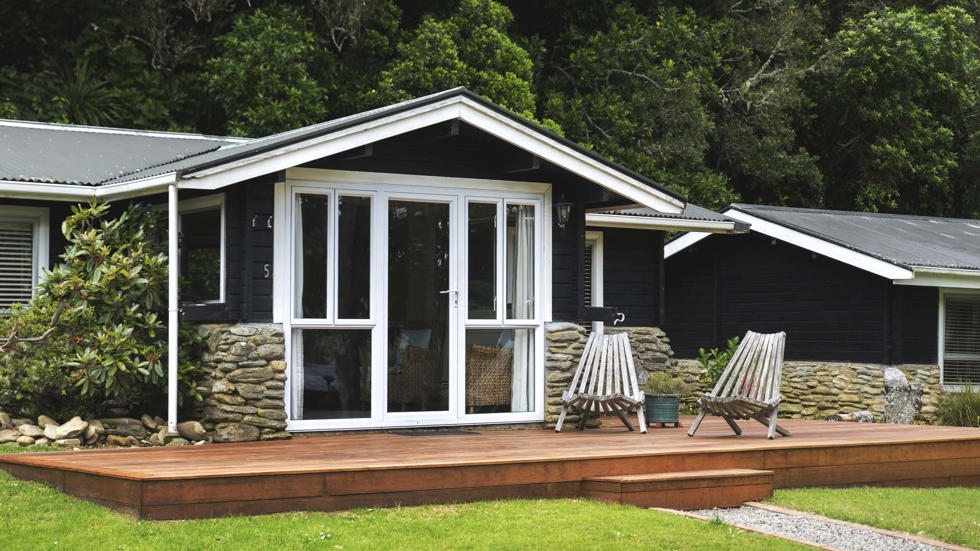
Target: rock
x: 44, y: 421
x: 160, y: 421
x: 42, y: 441
x: 278, y: 435
x: 178, y: 441
x: 148, y: 422
x: 17, y: 421
x: 250, y: 375
x: 125, y: 426
x: 68, y: 443
x: 192, y: 430
x: 94, y: 432
x: 264, y: 423
x: 33, y: 431
x: 5, y: 421
x: 235, y: 432
x: 155, y: 439
x: 250, y: 391
x: 895, y: 378
x: 72, y: 429
x: 9, y: 435
x: 25, y: 441
x: 222, y: 386
x: 51, y: 431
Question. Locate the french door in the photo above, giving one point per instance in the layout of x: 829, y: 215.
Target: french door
x: 413, y: 306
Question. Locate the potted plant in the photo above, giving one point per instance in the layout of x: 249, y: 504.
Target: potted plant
x: 663, y: 398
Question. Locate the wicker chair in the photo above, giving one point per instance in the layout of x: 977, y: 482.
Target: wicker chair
x: 488, y: 376
x: 417, y: 380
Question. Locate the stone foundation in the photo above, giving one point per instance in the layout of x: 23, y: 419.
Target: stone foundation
x: 244, y: 387
x: 564, y: 344
x: 814, y: 390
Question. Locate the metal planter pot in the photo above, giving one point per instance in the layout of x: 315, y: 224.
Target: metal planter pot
x: 663, y: 408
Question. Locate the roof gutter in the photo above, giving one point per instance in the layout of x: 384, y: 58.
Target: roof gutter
x: 69, y: 192
x: 662, y: 223
x: 928, y: 276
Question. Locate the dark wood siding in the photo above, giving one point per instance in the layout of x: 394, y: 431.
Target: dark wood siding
x: 631, y: 273
x: 725, y: 285
x: 915, y: 325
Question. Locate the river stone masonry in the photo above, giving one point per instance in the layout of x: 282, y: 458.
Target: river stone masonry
x: 564, y: 343
x: 244, y: 383
x: 814, y: 390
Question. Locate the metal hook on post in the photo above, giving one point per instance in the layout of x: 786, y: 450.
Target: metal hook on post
x: 620, y: 318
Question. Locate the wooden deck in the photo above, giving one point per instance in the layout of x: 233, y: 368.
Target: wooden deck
x: 340, y: 471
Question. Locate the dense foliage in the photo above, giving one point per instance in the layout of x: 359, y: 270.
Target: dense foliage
x: 841, y: 104
x: 109, y: 346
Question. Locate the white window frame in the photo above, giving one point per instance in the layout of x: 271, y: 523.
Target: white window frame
x: 199, y: 204
x: 943, y: 293
x: 383, y: 187
x: 40, y: 218
x: 598, y: 283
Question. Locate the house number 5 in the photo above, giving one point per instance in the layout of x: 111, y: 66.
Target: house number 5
x: 267, y: 268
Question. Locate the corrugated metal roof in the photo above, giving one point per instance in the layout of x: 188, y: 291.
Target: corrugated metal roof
x: 86, y: 155
x: 690, y: 212
x: 904, y: 240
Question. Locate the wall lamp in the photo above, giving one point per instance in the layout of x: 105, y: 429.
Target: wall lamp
x: 563, y: 210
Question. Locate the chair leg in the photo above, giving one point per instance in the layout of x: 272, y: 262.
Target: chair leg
x: 622, y: 417
x: 733, y: 425
x: 696, y: 423
x: 583, y: 418
x: 561, y: 418
x: 770, y: 422
x: 641, y: 419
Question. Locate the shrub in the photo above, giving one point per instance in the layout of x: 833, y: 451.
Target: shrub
x: 715, y: 361
x: 660, y: 382
x: 960, y: 409
x: 111, y: 343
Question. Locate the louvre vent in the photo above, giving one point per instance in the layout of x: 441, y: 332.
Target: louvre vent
x: 587, y: 273
x: 16, y: 262
x: 961, y: 343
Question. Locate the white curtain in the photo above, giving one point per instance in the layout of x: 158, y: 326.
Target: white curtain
x: 296, y: 377
x: 523, y: 307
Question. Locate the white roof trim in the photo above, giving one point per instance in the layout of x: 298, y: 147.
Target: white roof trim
x: 456, y: 107
x: 943, y: 277
x: 819, y: 246
x: 608, y: 220
x: 73, y: 192
x: 682, y: 242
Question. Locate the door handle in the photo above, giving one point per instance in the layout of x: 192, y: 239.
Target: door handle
x: 455, y: 295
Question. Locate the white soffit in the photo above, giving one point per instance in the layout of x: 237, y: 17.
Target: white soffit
x: 606, y: 220
x: 802, y: 240
x: 457, y: 107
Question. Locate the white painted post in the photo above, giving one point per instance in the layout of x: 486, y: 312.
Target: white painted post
x: 173, y: 311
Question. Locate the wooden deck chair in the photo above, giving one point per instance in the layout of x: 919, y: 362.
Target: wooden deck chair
x: 749, y: 386
x: 605, y: 382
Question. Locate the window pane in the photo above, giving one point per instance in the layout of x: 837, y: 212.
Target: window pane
x: 499, y: 370
x: 961, y: 346
x: 482, y: 262
x: 332, y: 375
x: 200, y: 255
x: 354, y: 258
x: 520, y: 262
x: 311, y: 256
x: 16, y: 262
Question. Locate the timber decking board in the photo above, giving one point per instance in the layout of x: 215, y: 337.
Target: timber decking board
x: 337, y: 471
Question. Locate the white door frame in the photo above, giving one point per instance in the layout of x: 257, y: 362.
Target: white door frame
x: 385, y: 187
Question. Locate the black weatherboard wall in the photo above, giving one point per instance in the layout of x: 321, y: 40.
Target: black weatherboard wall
x: 724, y: 285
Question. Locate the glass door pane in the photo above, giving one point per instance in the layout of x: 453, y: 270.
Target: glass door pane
x: 482, y: 262
x: 418, y: 306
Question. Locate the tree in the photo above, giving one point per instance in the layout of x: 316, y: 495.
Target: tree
x: 262, y: 74
x: 470, y: 48
x: 896, y: 113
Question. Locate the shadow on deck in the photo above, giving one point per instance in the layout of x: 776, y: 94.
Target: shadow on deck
x: 663, y: 468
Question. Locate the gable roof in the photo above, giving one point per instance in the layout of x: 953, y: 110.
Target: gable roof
x: 202, y: 162
x: 912, y: 250
x: 692, y: 216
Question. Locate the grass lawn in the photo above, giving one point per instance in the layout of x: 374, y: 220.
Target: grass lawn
x: 37, y: 517
x: 946, y: 514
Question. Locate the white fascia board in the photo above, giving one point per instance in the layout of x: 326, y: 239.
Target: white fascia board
x: 943, y: 277
x: 819, y: 246
x: 567, y: 158
x: 322, y: 146
x: 679, y: 244
x: 604, y: 220
x: 70, y: 192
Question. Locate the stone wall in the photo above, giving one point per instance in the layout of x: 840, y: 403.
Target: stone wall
x: 244, y: 387
x: 564, y: 344
x: 814, y: 390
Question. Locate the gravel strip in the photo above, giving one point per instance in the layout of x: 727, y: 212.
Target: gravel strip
x: 812, y: 530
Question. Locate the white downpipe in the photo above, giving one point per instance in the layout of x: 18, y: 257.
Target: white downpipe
x: 173, y: 271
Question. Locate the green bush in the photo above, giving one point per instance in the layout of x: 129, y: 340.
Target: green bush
x: 960, y: 409
x: 660, y: 382
x: 715, y: 361
x: 110, y: 344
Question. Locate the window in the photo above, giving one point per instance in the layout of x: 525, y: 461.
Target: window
x: 960, y: 339
x: 202, y: 250
x: 592, y: 274
x: 23, y: 252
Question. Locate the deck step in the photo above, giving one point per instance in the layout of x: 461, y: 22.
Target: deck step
x: 681, y: 490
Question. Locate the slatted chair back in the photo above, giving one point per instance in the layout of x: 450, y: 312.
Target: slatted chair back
x: 605, y: 380
x: 755, y: 369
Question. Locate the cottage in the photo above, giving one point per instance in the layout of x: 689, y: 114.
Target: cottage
x: 394, y: 268
x: 852, y: 291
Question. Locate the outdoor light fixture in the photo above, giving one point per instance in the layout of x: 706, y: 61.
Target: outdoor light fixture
x: 563, y: 209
